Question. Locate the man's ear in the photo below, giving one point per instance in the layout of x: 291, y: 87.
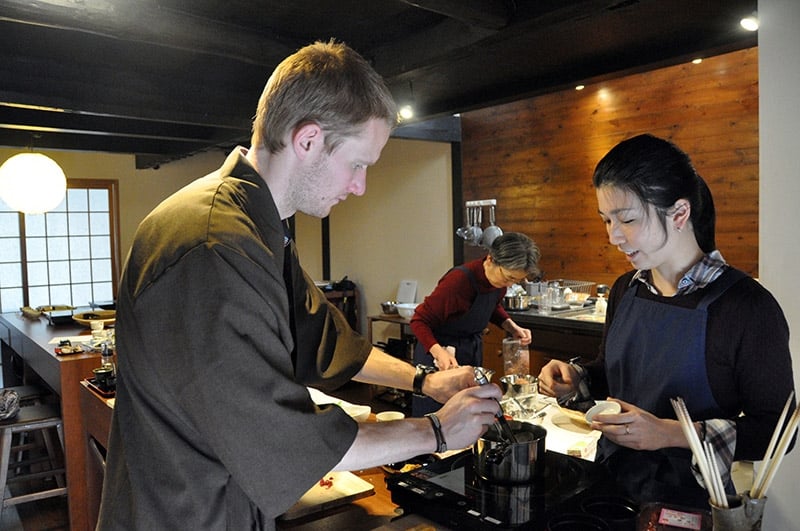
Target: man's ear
x: 307, y: 139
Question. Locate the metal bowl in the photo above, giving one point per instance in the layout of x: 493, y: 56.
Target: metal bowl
x: 406, y: 309
x: 389, y: 307
x: 519, y: 384
x: 516, y: 302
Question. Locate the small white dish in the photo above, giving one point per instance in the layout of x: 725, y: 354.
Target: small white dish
x: 358, y: 412
x: 386, y: 416
x: 602, y: 407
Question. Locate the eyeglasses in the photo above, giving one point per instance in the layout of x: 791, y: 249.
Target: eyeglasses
x: 509, y: 277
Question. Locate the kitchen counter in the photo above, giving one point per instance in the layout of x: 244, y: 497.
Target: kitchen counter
x: 578, y: 320
x: 562, y: 334
x: 32, y: 341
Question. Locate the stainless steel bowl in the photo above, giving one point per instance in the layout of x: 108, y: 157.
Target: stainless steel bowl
x: 516, y: 302
x: 389, y: 307
x: 516, y: 385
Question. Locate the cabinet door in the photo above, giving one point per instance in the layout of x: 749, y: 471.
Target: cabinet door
x: 493, y: 349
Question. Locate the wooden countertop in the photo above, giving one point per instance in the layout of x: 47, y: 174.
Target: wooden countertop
x: 371, y: 512
x: 30, y: 339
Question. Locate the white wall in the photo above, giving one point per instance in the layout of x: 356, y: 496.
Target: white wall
x: 139, y: 190
x: 400, y: 229
x: 779, y: 216
x: 376, y: 240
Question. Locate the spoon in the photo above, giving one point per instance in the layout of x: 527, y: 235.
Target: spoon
x: 503, y: 428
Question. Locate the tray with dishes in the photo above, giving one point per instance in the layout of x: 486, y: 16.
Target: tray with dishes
x: 107, y: 317
x: 94, y: 387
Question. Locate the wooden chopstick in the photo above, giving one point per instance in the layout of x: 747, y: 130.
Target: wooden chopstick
x: 716, y: 478
x: 757, y: 482
x: 783, y: 444
x: 697, y: 450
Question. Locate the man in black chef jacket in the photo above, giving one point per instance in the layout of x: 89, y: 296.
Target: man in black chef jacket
x: 219, y: 330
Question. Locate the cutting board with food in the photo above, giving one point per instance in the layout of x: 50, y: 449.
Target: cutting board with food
x: 335, y: 489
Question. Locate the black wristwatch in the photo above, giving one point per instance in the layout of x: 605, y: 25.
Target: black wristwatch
x: 419, y: 377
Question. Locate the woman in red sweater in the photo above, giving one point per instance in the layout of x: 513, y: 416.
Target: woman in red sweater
x: 465, y: 300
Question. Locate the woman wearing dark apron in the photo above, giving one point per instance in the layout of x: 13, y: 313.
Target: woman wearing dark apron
x: 450, y: 322
x: 682, y: 323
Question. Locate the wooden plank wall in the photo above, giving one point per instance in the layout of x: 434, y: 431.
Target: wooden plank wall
x: 536, y: 157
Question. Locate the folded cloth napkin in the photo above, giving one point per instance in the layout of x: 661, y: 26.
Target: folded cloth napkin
x: 9, y: 404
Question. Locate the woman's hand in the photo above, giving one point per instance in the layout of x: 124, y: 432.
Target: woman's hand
x: 639, y: 429
x: 444, y: 358
x: 516, y: 331
x: 557, y: 378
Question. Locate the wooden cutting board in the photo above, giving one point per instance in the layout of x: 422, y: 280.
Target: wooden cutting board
x: 337, y: 489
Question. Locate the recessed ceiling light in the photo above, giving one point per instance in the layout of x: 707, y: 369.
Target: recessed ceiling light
x: 580, y: 87
x: 750, y: 22
x: 697, y: 61
x: 406, y: 112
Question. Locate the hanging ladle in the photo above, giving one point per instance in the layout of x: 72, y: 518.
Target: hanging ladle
x: 463, y: 232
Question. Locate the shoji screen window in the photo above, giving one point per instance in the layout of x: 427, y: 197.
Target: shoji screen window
x: 66, y: 256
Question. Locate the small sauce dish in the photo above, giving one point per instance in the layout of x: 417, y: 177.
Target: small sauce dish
x: 602, y: 407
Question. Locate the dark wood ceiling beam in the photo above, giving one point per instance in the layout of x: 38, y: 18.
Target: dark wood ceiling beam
x: 108, y: 143
x: 126, y: 95
x: 435, y: 45
x: 144, y: 21
x: 486, y: 14
x: 31, y: 119
x: 453, y: 40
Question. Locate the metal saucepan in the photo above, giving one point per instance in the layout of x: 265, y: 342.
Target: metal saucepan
x: 491, y: 232
x: 500, y: 461
x: 517, y: 302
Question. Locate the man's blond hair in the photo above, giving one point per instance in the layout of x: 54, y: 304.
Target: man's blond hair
x: 326, y: 83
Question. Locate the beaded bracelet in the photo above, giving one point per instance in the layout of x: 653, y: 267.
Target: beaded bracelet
x: 441, y: 444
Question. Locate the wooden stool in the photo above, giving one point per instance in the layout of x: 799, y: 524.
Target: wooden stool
x: 32, y: 419
x: 28, y: 395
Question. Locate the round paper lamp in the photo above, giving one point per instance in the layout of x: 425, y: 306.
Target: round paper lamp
x: 32, y: 183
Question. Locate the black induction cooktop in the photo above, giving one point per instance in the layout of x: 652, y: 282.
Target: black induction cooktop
x: 449, y: 491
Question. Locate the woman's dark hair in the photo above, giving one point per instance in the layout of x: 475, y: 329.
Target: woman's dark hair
x: 659, y: 173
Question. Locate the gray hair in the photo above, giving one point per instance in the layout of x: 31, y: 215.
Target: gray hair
x: 516, y: 251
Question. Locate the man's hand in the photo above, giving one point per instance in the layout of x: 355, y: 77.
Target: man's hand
x: 441, y: 385
x: 557, y: 378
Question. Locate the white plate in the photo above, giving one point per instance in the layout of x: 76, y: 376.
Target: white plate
x: 602, y: 407
x: 359, y: 412
x: 574, y: 415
